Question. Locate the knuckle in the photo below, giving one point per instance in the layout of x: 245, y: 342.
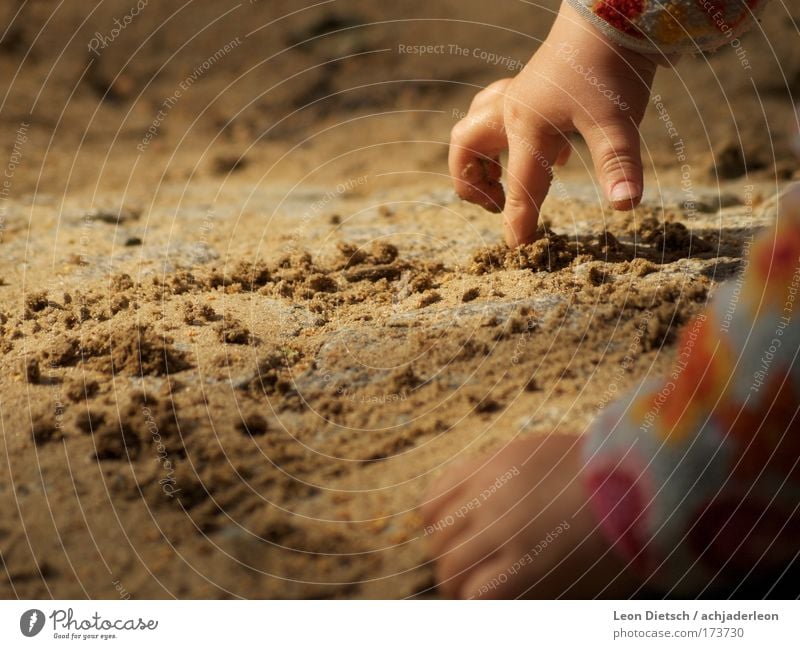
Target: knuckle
x: 481, y: 96
x: 517, y: 110
x: 615, y: 149
x: 516, y: 114
x: 517, y: 201
x: 500, y: 85
x: 613, y: 160
x: 493, y: 92
x: 459, y: 132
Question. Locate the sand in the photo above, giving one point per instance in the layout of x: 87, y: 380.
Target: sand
x: 233, y: 362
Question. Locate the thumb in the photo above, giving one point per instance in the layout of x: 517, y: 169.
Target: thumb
x: 616, y: 154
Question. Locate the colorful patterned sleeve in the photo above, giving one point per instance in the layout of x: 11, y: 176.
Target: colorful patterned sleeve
x: 695, y: 479
x: 671, y: 26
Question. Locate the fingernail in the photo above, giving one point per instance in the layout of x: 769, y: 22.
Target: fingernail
x: 624, y: 191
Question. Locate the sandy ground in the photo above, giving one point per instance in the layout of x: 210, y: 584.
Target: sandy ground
x: 236, y: 351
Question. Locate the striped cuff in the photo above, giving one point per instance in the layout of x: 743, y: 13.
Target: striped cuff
x: 670, y: 26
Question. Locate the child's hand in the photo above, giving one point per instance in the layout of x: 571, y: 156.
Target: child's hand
x: 578, y: 81
x: 518, y: 524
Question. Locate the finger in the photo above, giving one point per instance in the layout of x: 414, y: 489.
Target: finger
x: 482, y: 169
x: 563, y: 156
x: 445, y: 491
x: 489, y: 580
x: 447, y: 529
x: 530, y: 169
x: 465, y: 556
x: 475, y: 144
x: 451, y: 513
x: 615, y: 150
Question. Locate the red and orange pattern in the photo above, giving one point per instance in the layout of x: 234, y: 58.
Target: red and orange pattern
x: 671, y: 26
x: 698, y: 475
